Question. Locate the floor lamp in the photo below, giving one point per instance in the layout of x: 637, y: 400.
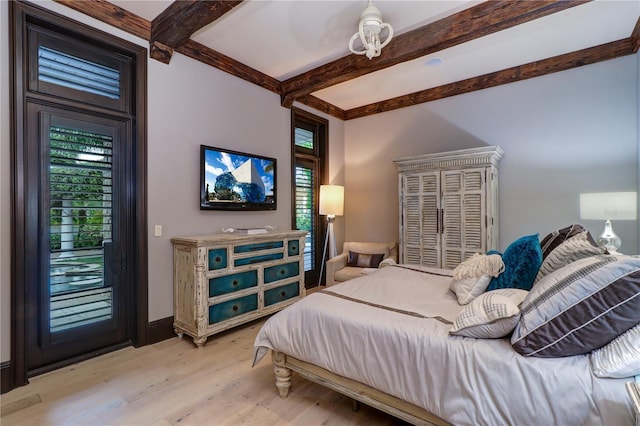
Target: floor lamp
x: 331, y: 205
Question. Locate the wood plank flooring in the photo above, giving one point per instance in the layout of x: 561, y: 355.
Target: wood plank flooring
x: 173, y: 382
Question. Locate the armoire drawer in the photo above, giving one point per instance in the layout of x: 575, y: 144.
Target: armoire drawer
x: 280, y: 272
x: 282, y: 293
x: 229, y: 283
x: 232, y: 308
x: 257, y: 259
x: 217, y: 258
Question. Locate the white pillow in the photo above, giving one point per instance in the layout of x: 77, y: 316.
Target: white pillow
x: 468, y: 289
x: 620, y: 357
x: 493, y: 314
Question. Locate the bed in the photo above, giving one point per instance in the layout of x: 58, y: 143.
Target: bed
x: 384, y: 339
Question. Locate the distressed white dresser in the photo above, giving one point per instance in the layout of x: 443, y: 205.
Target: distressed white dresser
x: 223, y: 280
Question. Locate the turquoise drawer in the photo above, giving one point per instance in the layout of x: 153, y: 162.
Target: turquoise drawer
x: 234, y: 282
x: 257, y: 259
x: 293, y: 248
x: 248, y: 248
x: 280, y: 294
x: 217, y: 259
x: 225, y: 310
x: 280, y: 272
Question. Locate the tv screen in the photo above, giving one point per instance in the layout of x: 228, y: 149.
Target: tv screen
x: 232, y: 180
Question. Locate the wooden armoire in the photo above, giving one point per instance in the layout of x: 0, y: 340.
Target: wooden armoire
x: 448, y: 205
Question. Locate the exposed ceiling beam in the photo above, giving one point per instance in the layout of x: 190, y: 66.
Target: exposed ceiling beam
x: 564, y: 62
x: 216, y: 59
x: 112, y: 15
x: 323, y: 106
x: 175, y: 25
x: 635, y: 36
x: 469, y: 24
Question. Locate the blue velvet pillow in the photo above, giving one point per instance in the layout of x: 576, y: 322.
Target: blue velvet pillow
x: 522, y: 260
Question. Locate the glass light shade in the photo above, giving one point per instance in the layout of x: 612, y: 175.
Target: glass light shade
x: 331, y: 200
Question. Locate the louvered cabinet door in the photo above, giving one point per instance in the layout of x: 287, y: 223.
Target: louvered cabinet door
x: 419, y: 233
x: 464, y: 229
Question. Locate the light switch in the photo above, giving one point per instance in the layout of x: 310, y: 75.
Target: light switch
x: 158, y: 231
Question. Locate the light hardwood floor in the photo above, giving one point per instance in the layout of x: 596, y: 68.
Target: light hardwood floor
x: 173, y: 382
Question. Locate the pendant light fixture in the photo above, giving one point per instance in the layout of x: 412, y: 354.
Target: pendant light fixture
x: 369, y: 29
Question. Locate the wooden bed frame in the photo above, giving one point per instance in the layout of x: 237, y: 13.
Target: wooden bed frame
x: 284, y: 364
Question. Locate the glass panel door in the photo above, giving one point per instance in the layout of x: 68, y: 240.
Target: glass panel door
x: 80, y: 212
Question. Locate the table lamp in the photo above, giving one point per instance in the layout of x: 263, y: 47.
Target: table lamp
x: 609, y: 206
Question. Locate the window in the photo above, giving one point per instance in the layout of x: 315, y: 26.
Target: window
x: 309, y: 147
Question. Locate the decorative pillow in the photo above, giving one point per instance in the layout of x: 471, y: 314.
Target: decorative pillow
x: 573, y: 249
x: 555, y: 238
x: 364, y: 260
x: 493, y: 314
x: 478, y: 265
x: 522, y: 259
x: 580, y: 307
x: 620, y: 358
x: 468, y: 289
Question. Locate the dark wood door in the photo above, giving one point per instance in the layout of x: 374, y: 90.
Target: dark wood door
x: 77, y: 282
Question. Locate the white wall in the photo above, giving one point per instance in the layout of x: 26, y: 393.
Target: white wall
x: 563, y: 134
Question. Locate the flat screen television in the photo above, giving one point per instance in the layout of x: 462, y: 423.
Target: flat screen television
x: 232, y: 180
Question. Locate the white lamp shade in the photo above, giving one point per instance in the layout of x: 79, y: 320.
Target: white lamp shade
x: 608, y: 205
x: 331, y: 200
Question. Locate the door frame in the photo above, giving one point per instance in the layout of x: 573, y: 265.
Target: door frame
x: 19, y: 14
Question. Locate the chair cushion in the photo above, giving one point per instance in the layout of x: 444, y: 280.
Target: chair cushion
x: 347, y: 273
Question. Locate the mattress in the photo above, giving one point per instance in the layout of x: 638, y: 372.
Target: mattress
x: 389, y: 330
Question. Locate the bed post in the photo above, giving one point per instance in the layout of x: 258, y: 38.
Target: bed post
x: 283, y: 374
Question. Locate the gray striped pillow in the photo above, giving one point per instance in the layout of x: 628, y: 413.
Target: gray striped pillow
x: 555, y: 238
x: 575, y: 248
x: 580, y: 307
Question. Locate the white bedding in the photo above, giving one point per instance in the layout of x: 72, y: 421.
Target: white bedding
x: 389, y: 330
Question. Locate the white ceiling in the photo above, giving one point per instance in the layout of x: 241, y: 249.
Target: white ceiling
x: 284, y: 38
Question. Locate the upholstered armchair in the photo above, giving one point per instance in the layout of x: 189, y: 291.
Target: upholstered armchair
x: 358, y: 258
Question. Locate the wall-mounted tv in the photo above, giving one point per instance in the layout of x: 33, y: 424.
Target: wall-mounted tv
x: 232, y: 180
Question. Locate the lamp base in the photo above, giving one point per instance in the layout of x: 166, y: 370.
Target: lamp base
x: 609, y: 239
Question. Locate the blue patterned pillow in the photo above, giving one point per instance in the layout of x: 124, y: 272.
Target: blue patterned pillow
x: 522, y: 260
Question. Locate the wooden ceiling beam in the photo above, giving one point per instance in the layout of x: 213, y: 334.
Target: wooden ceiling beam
x: 216, y: 59
x: 635, y: 36
x: 113, y: 15
x: 469, y: 24
x: 558, y: 63
x: 175, y: 25
x: 323, y: 106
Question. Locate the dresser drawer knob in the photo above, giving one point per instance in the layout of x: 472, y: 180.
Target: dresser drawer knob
x: 235, y: 282
x: 235, y: 307
x: 218, y: 259
x: 283, y: 294
x: 282, y: 272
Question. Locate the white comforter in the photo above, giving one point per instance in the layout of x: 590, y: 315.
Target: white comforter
x: 389, y: 330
